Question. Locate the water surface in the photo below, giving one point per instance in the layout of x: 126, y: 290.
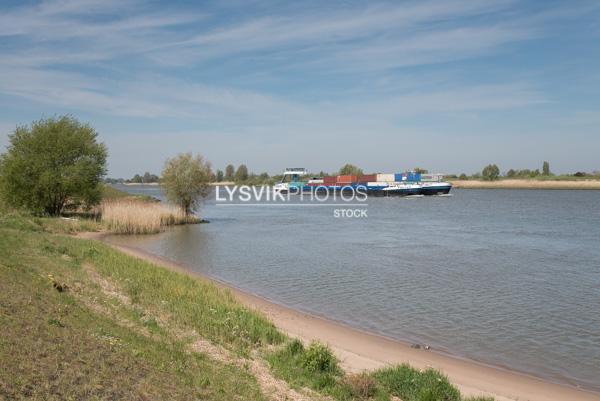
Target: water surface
x: 506, y: 277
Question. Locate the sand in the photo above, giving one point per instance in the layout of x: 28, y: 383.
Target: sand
x: 359, y: 350
x: 526, y: 184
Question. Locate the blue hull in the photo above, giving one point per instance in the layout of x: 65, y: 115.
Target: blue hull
x: 372, y: 191
x: 439, y: 190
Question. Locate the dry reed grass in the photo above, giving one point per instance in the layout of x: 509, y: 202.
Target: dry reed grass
x: 130, y: 216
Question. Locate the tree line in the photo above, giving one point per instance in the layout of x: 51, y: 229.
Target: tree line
x: 491, y: 172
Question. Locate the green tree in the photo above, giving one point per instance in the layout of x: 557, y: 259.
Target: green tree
x: 421, y: 170
x: 511, y: 173
x: 264, y: 178
x: 546, y: 168
x: 241, y: 174
x: 229, y: 171
x: 185, y: 180
x: 463, y: 176
x: 147, y: 177
x: 490, y: 172
x: 53, y: 162
x: 350, y: 169
x: 219, y: 175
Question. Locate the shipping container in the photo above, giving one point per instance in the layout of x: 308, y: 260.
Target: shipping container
x: 346, y: 179
x: 408, y: 177
x: 367, y: 178
x: 385, y: 178
x: 329, y: 179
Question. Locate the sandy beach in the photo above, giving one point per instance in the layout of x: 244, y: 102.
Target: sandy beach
x: 360, y: 350
x: 526, y: 184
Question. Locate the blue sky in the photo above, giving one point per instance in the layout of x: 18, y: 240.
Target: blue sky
x: 449, y: 85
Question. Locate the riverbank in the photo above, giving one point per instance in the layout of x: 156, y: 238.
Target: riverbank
x: 526, y: 184
x: 364, y: 351
x: 81, y: 319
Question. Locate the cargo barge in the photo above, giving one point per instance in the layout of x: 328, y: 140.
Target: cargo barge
x: 410, y: 183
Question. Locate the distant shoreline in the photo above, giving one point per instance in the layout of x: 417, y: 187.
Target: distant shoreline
x: 526, y: 184
x: 158, y: 183
x: 359, y: 350
x: 481, y: 184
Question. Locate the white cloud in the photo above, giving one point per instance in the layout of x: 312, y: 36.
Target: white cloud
x: 124, y: 59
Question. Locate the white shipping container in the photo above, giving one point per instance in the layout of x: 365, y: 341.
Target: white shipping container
x: 385, y: 178
x: 377, y: 184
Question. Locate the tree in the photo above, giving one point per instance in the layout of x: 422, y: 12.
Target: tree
x: 185, y: 180
x: 421, y: 170
x: 546, y: 168
x: 264, y: 178
x: 490, y: 172
x: 53, y: 162
x: 463, y: 176
x: 219, y: 175
x: 149, y: 177
x: 511, y: 173
x: 242, y: 173
x: 229, y: 171
x: 350, y: 169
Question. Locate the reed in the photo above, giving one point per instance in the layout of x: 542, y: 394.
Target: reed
x: 130, y: 216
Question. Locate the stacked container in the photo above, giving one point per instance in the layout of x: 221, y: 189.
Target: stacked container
x: 346, y: 179
x: 367, y: 178
x: 407, y: 177
x: 385, y: 178
x: 329, y: 180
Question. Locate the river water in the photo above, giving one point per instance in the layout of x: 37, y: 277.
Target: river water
x: 505, y: 277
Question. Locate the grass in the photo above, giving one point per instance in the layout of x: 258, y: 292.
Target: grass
x: 111, y: 193
x: 80, y: 343
x: 317, y: 368
x: 127, y: 216
x: 410, y: 384
x: 81, y: 320
x: 314, y: 367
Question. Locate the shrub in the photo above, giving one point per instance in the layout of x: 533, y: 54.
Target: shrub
x: 295, y: 347
x: 410, y: 384
x: 318, y: 358
x: 361, y: 386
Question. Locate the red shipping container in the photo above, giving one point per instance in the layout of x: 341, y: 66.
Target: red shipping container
x: 329, y: 180
x: 368, y: 178
x: 346, y: 179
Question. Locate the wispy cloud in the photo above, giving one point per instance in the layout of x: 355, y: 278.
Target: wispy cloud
x: 319, y: 70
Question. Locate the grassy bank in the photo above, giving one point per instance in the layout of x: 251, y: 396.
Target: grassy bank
x: 82, y: 320
x: 546, y: 183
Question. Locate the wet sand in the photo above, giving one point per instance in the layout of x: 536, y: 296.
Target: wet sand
x: 360, y: 350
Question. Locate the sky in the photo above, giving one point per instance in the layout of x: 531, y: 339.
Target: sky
x: 447, y: 85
